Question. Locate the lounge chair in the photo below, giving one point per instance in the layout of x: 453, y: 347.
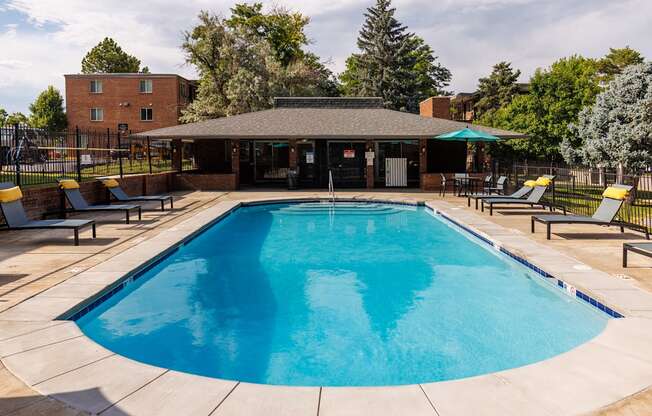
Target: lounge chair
x: 644, y: 249
x: 16, y: 218
x: 533, y: 200
x: 612, y: 201
x: 520, y: 193
x: 70, y: 189
x: 116, y: 191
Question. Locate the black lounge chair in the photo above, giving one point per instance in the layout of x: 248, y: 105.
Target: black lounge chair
x: 120, y: 195
x: 16, y: 218
x: 79, y: 204
x: 644, y: 249
x: 604, y: 215
x: 519, y: 194
x: 533, y: 200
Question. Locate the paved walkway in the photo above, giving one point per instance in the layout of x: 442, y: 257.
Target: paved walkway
x: 31, y: 262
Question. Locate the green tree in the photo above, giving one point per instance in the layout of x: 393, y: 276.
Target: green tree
x: 108, y: 57
x: 616, y: 61
x: 617, y: 130
x: 240, y: 72
x: 283, y: 29
x: 557, y: 95
x: 392, y: 63
x: 497, y: 90
x: 16, y: 118
x: 3, y: 117
x: 47, y: 111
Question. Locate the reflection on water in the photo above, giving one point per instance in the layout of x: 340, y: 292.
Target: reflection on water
x: 307, y: 295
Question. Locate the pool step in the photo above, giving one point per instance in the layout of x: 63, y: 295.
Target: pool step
x: 311, y: 208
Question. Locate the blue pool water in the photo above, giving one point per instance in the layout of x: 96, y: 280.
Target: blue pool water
x: 365, y: 294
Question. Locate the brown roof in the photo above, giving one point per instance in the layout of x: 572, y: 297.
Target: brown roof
x: 320, y: 123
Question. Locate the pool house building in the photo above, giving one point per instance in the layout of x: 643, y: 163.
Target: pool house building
x: 357, y: 140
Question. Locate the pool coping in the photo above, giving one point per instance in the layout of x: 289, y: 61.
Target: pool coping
x: 55, y: 358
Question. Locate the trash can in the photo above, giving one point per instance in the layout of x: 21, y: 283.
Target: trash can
x: 293, y: 177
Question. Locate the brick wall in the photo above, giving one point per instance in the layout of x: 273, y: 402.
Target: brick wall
x: 438, y: 107
x: 38, y: 200
x: 206, y: 181
x: 166, y: 101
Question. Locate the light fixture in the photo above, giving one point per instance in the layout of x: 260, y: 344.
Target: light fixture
x: 423, y: 149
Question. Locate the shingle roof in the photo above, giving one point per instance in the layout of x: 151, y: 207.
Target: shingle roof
x: 320, y: 123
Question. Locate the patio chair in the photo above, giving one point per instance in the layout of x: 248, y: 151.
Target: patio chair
x: 499, y: 188
x: 442, y: 188
x: 16, y: 218
x: 533, y: 200
x: 612, y: 200
x: 460, y: 181
x: 519, y: 194
x: 643, y: 248
x: 70, y: 189
x: 119, y: 194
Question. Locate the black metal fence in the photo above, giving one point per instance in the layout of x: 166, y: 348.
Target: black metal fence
x: 579, y: 189
x: 32, y: 156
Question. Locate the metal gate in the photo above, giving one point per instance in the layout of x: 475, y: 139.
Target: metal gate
x: 395, y: 171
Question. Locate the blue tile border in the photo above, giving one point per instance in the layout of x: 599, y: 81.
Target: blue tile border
x: 560, y: 283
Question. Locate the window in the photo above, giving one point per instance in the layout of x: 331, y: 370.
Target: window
x: 97, y: 114
x: 146, y: 114
x: 96, y: 86
x: 146, y: 86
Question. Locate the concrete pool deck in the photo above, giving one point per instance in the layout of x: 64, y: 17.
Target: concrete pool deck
x: 56, y: 359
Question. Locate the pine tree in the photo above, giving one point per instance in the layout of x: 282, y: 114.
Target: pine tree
x: 386, y: 61
x: 497, y: 90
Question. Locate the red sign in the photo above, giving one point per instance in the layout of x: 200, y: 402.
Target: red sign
x: 349, y: 154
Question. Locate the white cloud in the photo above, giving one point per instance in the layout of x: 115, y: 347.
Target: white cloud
x: 468, y: 35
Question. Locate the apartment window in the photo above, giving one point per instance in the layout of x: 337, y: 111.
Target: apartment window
x: 146, y: 86
x: 96, y: 86
x: 97, y: 114
x: 146, y: 114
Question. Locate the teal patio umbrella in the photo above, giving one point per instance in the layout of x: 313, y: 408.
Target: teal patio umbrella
x: 467, y: 135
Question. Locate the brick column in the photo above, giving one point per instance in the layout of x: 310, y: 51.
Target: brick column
x: 176, y: 155
x: 235, y: 161
x: 369, y: 147
x: 292, y: 143
x: 423, y: 162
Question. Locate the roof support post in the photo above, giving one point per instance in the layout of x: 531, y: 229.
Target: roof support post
x: 235, y: 161
x: 369, y: 147
x: 423, y: 161
x: 177, y: 155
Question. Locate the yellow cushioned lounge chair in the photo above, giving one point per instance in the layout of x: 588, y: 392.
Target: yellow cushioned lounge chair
x: 533, y: 200
x: 16, y: 218
x: 116, y: 192
x: 612, y: 201
x: 70, y: 189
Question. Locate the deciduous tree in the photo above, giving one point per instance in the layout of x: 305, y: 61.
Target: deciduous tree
x: 108, y: 57
x: 616, y: 61
x: 47, y: 111
x: 557, y: 95
x: 240, y: 72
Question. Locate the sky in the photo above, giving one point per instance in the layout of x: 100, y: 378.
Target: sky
x: 41, y: 40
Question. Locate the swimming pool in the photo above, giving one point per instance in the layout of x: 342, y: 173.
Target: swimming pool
x: 360, y: 295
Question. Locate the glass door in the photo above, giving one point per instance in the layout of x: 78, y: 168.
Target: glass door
x: 272, y: 161
x: 408, y: 149
x: 347, y: 162
x: 307, y: 163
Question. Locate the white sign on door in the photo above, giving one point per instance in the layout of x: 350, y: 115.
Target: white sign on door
x: 310, y: 157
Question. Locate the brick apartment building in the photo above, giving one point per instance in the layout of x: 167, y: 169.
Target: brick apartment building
x: 135, y: 102
x: 463, y: 104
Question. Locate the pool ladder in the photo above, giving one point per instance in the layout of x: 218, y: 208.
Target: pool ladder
x: 331, y: 187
